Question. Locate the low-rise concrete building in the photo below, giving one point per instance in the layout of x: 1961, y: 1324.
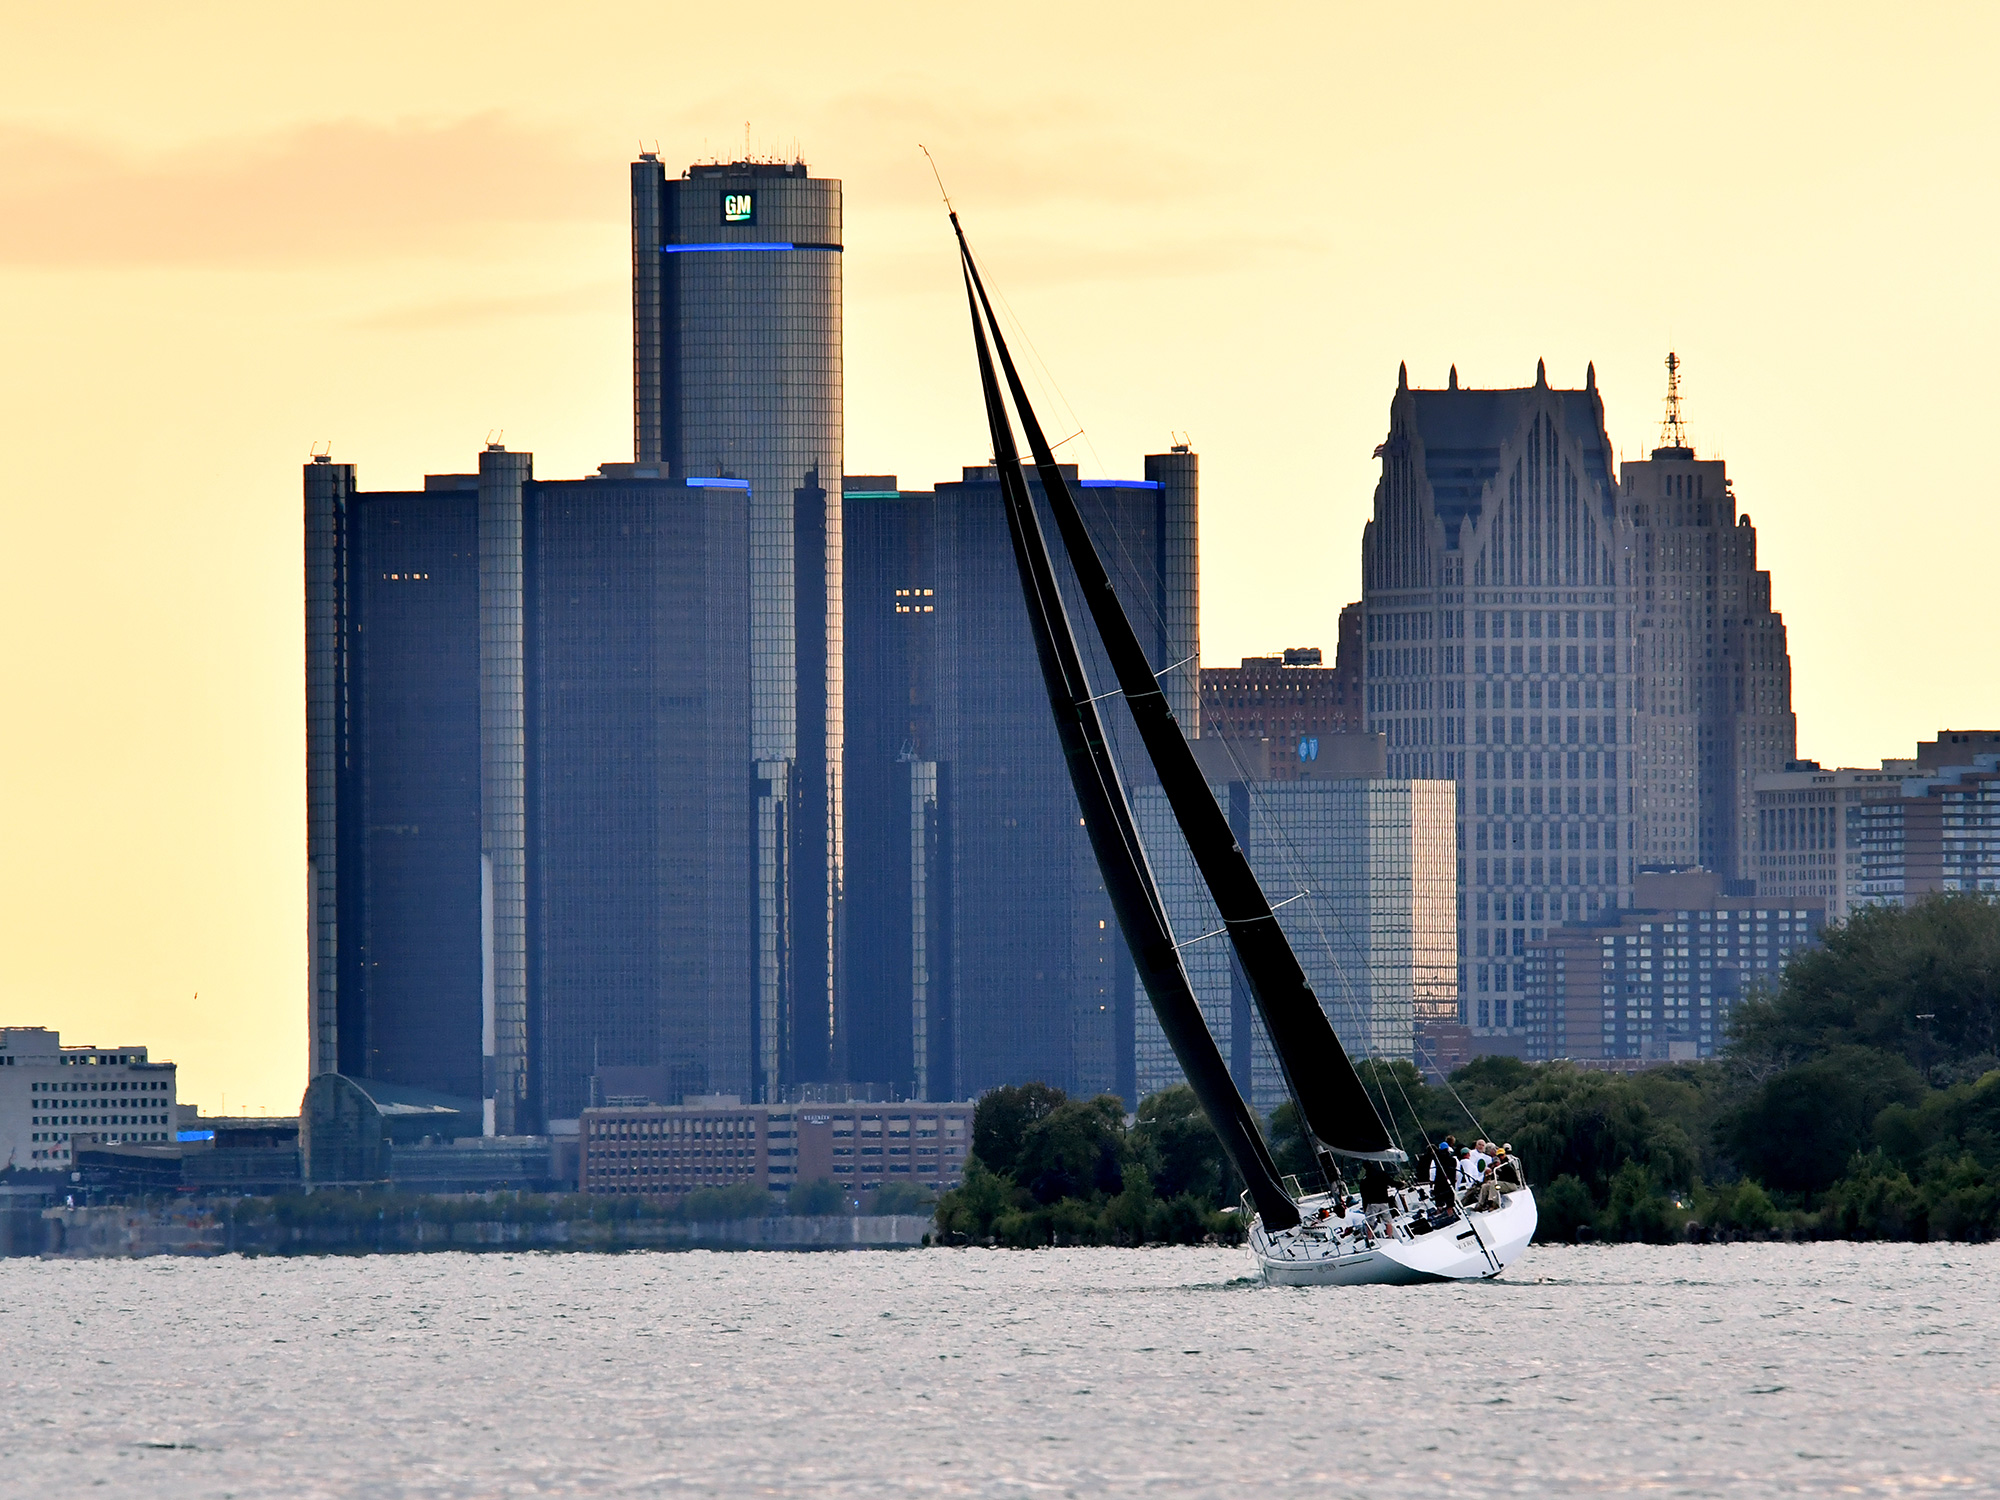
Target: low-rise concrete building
x: 55, y: 1100
x: 668, y: 1151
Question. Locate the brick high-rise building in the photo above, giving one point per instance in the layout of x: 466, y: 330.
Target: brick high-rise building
x: 1281, y: 708
x: 1656, y: 982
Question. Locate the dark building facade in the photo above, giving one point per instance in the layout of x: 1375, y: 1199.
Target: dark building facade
x: 982, y: 950
x: 1498, y: 655
x: 528, y: 781
x: 736, y: 339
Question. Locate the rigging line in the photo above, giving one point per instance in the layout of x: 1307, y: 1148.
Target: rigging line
x: 1153, y: 616
x: 1225, y: 926
x: 1114, y: 693
x: 1363, y: 1018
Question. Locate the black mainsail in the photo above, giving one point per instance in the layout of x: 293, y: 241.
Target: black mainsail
x: 1333, y: 1104
x: 1107, y: 815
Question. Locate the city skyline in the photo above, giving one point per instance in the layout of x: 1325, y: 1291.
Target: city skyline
x: 285, y: 266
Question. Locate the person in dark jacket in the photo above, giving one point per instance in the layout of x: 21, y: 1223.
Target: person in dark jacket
x: 1444, y: 1171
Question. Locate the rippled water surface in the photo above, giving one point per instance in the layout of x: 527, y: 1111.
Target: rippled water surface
x: 1741, y: 1370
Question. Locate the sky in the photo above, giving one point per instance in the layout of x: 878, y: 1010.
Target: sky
x: 231, y: 232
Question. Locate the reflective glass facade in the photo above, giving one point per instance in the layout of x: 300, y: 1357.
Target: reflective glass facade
x: 528, y: 733
x: 737, y: 375
x: 638, y: 797
x: 1362, y: 874
x: 982, y: 949
x: 393, y: 779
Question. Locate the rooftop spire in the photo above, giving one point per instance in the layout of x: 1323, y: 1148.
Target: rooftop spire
x: 1672, y: 433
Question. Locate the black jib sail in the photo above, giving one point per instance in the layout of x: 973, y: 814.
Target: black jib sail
x: 1334, y: 1106
x: 1107, y: 817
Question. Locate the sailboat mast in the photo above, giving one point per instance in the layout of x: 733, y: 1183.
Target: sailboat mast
x: 1107, y: 816
x: 1333, y: 1104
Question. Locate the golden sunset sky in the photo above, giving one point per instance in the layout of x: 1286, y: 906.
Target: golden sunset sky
x: 230, y: 231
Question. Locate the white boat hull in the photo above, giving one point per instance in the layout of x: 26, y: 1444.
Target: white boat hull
x: 1476, y: 1246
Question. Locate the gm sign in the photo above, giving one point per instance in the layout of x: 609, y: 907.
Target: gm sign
x: 739, y: 208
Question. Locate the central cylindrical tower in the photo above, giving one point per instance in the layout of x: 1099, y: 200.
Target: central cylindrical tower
x: 737, y: 375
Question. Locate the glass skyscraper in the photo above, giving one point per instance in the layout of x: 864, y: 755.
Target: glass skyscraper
x: 1362, y: 875
x: 736, y: 304
x: 528, y: 728
x: 982, y: 948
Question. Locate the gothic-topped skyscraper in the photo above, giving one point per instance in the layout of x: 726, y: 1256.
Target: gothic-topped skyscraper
x: 1498, y: 655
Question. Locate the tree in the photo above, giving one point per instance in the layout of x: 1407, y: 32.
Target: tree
x: 816, y: 1199
x: 981, y: 1197
x: 1561, y: 1209
x: 900, y: 1198
x: 1000, y: 1122
x: 1588, y: 1125
x: 1289, y: 1150
x: 1798, y: 1130
x: 1074, y: 1151
x: 740, y: 1200
x: 1948, y: 1123
x: 1186, y: 1155
x: 1872, y: 979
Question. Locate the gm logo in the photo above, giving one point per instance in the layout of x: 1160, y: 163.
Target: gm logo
x: 739, y: 208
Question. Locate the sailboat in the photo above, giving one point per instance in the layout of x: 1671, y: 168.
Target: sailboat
x: 1383, y: 1228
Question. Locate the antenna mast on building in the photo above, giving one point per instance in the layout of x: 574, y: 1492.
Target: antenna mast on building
x: 1672, y: 433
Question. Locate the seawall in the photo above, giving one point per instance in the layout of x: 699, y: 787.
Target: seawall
x: 134, y: 1233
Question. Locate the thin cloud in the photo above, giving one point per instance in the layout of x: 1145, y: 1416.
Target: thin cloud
x: 469, y: 312
x: 340, y: 191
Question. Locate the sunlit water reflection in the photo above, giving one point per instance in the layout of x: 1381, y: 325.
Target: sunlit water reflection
x: 1749, y: 1369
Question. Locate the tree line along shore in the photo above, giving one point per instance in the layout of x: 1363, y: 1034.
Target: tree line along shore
x: 1858, y: 1098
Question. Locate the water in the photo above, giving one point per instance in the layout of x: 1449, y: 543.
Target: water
x: 1737, y: 1370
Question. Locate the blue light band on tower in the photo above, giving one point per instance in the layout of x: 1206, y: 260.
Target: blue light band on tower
x: 745, y: 245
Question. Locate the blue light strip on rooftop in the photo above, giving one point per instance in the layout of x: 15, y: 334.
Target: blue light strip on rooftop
x: 718, y: 484
x: 745, y: 245
x: 1118, y: 484
x: 872, y: 494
